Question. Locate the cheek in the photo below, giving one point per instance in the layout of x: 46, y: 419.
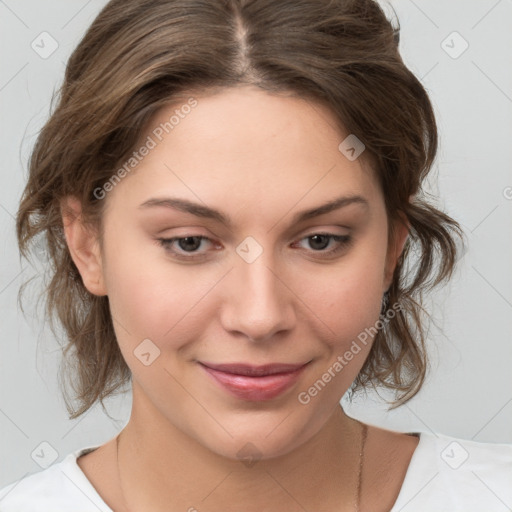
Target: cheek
x: 151, y: 297
x: 348, y: 306
x: 347, y: 298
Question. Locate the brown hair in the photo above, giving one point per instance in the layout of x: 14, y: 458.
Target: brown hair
x: 139, y: 55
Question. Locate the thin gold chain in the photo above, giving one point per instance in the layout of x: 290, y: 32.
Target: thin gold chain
x: 364, y: 435
x: 125, y: 507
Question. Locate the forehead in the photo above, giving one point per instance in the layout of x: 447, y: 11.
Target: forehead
x: 244, y: 146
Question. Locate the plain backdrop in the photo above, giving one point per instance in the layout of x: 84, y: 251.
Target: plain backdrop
x: 461, y: 51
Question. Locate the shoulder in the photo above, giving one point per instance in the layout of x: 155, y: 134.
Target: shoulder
x: 61, y: 487
x: 452, y: 474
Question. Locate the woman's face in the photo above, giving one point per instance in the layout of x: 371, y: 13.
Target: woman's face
x: 264, y: 273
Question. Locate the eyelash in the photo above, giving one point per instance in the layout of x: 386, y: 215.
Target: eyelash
x: 344, y: 241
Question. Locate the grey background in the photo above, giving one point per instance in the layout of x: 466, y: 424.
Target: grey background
x: 468, y: 393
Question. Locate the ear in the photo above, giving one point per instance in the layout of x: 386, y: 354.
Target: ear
x: 83, y: 245
x: 395, y: 248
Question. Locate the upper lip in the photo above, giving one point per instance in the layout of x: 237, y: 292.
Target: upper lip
x: 255, y: 371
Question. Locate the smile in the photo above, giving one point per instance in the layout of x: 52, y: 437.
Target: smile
x: 255, y: 383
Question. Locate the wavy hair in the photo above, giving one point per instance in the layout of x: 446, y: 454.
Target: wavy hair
x: 139, y: 55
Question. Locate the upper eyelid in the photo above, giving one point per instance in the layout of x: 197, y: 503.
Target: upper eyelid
x: 209, y: 238
x: 315, y: 230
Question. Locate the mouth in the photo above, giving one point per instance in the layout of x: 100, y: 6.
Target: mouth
x: 255, y: 383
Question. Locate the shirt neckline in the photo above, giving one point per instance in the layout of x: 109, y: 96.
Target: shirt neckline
x: 86, y: 484
x: 422, y: 458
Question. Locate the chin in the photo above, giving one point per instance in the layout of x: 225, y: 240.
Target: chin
x: 259, y: 437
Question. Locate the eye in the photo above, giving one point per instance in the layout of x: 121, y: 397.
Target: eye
x: 186, y: 247
x: 189, y: 247
x: 319, y: 242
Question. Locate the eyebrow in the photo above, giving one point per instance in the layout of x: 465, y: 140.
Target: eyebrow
x: 183, y: 205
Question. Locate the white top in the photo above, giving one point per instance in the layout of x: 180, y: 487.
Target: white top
x: 445, y: 475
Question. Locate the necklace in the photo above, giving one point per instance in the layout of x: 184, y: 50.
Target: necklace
x: 364, y: 434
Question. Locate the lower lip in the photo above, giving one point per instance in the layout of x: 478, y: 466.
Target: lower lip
x: 255, y: 388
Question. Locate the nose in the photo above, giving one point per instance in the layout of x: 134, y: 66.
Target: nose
x: 258, y: 305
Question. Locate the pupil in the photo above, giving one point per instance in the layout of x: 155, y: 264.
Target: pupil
x: 190, y: 243
x: 319, y: 241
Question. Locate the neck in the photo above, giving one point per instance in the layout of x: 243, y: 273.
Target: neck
x: 162, y: 467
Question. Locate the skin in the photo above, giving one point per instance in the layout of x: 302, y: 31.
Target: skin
x: 258, y: 158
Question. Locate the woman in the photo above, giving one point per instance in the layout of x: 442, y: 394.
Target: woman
x: 231, y: 192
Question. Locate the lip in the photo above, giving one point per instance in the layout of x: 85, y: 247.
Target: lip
x: 255, y: 383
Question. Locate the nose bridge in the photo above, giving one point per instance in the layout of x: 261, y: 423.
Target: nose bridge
x: 259, y: 305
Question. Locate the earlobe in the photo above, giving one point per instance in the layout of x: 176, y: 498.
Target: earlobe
x: 83, y: 245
